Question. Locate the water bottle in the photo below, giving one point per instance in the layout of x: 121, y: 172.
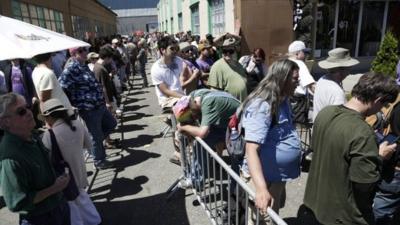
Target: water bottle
x: 234, y: 134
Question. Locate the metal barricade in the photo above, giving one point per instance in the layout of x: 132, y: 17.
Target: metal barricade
x: 224, y: 196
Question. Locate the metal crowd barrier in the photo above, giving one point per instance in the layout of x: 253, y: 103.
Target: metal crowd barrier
x: 220, y: 191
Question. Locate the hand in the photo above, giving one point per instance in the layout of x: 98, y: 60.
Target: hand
x: 109, y: 107
x: 386, y: 150
x: 196, y: 72
x: 263, y: 200
x: 61, y: 182
x: 179, y: 127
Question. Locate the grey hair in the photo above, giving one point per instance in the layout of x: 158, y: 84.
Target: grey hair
x: 6, y: 101
x: 270, y: 89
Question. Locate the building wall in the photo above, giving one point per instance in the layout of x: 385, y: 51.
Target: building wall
x: 126, y: 25
x: 204, y: 12
x: 266, y: 24
x: 89, y: 9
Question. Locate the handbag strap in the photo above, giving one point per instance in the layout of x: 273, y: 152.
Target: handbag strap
x: 55, y: 149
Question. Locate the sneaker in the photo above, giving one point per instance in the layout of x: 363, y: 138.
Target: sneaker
x: 104, y: 164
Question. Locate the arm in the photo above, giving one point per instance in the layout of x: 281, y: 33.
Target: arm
x: 263, y: 197
x: 187, y: 77
x: 164, y: 89
x: 311, y: 88
x: 59, y: 185
x: 194, y: 131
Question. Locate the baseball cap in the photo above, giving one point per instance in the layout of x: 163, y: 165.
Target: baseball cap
x: 296, y: 46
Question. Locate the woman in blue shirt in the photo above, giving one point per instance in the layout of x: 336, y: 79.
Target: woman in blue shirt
x: 272, y: 144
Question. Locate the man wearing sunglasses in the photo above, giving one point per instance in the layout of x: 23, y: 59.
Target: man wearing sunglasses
x: 86, y: 94
x: 227, y: 74
x: 166, y: 72
x: 28, y: 182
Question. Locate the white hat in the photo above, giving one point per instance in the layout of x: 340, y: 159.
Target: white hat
x: 229, y: 43
x: 114, y: 41
x: 338, y: 57
x: 296, y: 46
x: 92, y: 55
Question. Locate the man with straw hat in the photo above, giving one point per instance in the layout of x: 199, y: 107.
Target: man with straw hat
x: 329, y: 90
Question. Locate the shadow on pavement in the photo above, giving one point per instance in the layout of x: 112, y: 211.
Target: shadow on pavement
x: 145, y: 211
x: 304, y: 216
x: 118, y: 188
x: 130, y: 100
x: 129, y: 128
x: 133, y: 158
x: 132, y: 108
x: 139, y: 141
x: 135, y: 116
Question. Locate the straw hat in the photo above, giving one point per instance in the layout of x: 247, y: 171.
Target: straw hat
x: 183, y: 46
x: 338, y: 57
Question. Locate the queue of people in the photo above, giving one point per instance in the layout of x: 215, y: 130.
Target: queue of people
x: 43, y: 172
x: 203, y: 84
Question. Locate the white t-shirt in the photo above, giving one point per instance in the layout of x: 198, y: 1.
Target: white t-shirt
x: 305, y: 77
x: 44, y: 79
x: 327, y: 92
x: 169, y: 75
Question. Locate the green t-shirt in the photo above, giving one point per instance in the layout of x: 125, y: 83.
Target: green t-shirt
x: 216, y: 107
x: 229, y: 77
x: 25, y: 169
x: 345, y: 151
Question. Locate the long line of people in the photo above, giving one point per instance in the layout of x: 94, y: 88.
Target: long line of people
x: 74, y: 101
x: 273, y: 102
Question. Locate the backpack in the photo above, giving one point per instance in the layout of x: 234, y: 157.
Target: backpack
x: 236, y: 145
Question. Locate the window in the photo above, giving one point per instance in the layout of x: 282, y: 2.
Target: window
x: 217, y: 13
x: 347, y: 25
x: 195, y: 18
x: 180, y: 22
x: 325, y: 28
x: 371, y: 28
x: 39, y: 16
x: 80, y: 25
x: 393, y: 21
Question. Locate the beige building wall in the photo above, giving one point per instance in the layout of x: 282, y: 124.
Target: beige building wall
x: 229, y: 16
x: 204, y: 18
x: 186, y: 15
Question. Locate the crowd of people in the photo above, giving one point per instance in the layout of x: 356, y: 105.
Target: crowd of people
x: 272, y: 103
x: 74, y: 97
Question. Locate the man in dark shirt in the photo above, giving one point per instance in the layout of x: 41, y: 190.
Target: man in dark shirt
x: 347, y: 161
x: 103, y: 75
x: 28, y: 181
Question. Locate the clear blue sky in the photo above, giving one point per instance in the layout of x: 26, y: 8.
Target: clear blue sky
x: 130, y: 4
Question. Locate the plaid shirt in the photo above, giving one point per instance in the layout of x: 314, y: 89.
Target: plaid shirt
x: 84, y: 90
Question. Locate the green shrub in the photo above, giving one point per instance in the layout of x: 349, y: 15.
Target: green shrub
x: 386, y: 60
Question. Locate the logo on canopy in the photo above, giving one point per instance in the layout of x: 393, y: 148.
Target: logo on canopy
x: 32, y: 37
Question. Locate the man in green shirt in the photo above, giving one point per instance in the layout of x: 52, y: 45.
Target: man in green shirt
x: 28, y: 182
x: 347, y: 160
x: 227, y: 74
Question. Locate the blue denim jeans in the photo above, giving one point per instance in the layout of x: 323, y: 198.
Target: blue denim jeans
x: 100, y: 124
x: 200, y: 166
x: 387, y: 201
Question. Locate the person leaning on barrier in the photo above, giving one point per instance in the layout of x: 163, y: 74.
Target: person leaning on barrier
x: 272, y: 143
x: 28, y: 181
x: 347, y: 160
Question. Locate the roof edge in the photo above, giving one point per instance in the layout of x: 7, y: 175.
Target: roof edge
x: 105, y: 7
